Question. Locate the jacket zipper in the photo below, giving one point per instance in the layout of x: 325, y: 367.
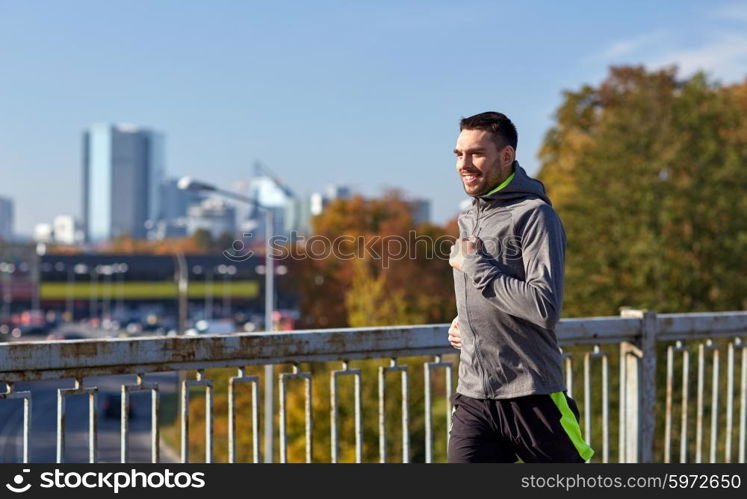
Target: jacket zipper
x: 485, y: 387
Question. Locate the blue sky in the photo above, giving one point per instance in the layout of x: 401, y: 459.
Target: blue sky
x: 363, y: 93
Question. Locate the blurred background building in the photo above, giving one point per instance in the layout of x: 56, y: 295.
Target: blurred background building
x: 6, y: 219
x: 174, y: 206
x: 215, y: 216
x: 421, y: 210
x: 122, y: 172
x: 64, y: 230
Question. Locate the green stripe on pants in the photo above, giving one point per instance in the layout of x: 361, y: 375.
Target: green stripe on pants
x: 570, y: 424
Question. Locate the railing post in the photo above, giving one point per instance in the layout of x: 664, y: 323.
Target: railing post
x: 638, y: 390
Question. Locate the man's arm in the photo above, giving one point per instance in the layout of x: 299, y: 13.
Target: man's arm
x: 539, y: 297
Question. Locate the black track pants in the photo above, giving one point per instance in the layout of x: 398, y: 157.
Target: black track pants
x: 534, y: 429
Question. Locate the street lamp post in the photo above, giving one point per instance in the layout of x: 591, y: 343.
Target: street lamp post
x: 269, y: 307
x: 92, y: 303
x: 187, y: 183
x: 121, y: 270
x: 41, y: 250
x: 226, y: 271
x: 106, y: 307
x: 77, y: 269
x: 209, y: 293
x: 69, y: 293
x: 222, y: 270
x: 181, y: 276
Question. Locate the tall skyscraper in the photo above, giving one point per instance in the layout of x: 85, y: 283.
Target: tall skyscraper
x: 122, y: 172
x: 6, y: 219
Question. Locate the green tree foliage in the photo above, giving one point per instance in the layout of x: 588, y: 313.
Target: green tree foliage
x: 648, y: 174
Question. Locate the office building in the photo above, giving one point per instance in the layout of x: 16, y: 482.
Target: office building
x: 67, y: 230
x: 64, y: 229
x: 122, y: 171
x: 338, y: 191
x: 175, y: 201
x: 214, y: 215
x: 43, y: 233
x: 6, y: 219
x: 271, y: 195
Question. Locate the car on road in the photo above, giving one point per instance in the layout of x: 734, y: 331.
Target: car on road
x: 66, y: 335
x: 112, y: 406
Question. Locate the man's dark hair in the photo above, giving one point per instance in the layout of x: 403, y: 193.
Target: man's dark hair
x: 500, y: 127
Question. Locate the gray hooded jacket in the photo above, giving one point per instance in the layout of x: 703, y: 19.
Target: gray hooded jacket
x: 509, y: 294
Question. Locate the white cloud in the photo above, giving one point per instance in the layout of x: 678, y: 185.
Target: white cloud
x: 718, y: 46
x: 622, y: 48
x: 724, y: 57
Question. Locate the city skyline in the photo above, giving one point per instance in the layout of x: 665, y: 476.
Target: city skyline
x: 127, y: 191
x: 367, y: 95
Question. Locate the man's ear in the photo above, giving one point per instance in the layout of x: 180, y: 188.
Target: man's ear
x: 508, y: 155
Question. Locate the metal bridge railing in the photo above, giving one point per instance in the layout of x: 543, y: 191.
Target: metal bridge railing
x: 623, y: 364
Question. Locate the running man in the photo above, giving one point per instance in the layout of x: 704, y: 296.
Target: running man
x: 511, y: 402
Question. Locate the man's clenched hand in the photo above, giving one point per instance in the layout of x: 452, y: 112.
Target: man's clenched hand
x: 462, y: 248
x: 455, y: 338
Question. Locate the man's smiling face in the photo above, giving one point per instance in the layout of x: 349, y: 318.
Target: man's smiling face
x: 479, y: 162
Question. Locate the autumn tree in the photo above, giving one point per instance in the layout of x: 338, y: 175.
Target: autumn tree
x: 201, y: 241
x: 647, y: 171
x: 379, y: 269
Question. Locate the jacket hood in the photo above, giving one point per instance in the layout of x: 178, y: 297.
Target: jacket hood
x: 520, y: 187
